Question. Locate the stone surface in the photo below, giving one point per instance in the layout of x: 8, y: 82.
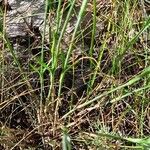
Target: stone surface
x: 24, y: 14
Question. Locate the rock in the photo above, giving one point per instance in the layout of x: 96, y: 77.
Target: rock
x: 23, y: 15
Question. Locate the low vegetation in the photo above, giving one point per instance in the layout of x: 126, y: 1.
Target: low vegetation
x: 82, y: 82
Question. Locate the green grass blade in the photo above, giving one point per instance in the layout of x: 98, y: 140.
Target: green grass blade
x: 79, y: 18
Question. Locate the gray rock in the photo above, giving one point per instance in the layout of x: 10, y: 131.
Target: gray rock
x: 24, y: 13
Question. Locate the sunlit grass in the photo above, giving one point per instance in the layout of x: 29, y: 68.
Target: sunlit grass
x: 116, y: 82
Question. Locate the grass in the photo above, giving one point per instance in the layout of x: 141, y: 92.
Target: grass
x: 86, y: 87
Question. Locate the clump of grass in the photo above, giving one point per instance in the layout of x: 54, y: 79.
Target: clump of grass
x: 99, y: 96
